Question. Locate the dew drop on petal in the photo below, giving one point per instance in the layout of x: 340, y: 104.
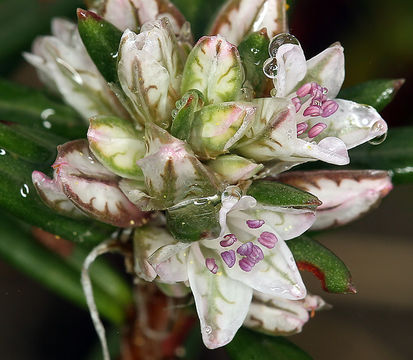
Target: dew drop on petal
x: 2, y: 152
x: 378, y: 140
x: 280, y: 40
x: 208, y: 330
x: 270, y: 68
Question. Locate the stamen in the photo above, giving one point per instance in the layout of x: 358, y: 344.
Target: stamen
x: 297, y: 103
x: 329, y: 108
x: 255, y: 224
x: 246, y: 264
x: 301, y: 128
x: 316, y: 130
x: 304, y: 90
x: 256, y: 255
x: 245, y: 249
x: 211, y: 265
x: 312, y: 110
x: 229, y: 257
x: 267, y: 239
x: 229, y: 239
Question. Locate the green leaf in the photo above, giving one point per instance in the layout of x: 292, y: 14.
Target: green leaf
x: 194, y: 219
x: 33, y: 108
x: 101, y: 40
x: 18, y: 197
x: 11, y: 139
x: 377, y: 93
x: 19, y: 249
x: 310, y: 255
x: 395, y: 154
x: 248, y: 345
x: 254, y: 52
x: 21, y: 21
x: 276, y: 194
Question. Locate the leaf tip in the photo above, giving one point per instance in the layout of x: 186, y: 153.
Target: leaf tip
x: 83, y: 15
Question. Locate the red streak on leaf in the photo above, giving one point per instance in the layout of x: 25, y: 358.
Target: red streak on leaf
x: 305, y: 266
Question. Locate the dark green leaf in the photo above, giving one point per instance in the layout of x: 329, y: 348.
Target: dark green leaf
x: 276, y: 194
x: 394, y: 154
x: 254, y: 51
x: 101, y: 40
x: 248, y: 345
x: 12, y: 139
x: 22, y: 20
x: 194, y: 219
x: 18, y: 196
x: 19, y: 249
x: 310, y: 255
x: 376, y: 93
x: 32, y: 108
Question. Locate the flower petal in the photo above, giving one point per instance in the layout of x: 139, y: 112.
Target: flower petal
x: 326, y: 69
x: 92, y: 188
x: 279, y: 316
x: 353, y: 123
x: 217, y: 127
x: 117, y: 145
x: 234, y: 168
x: 172, y: 172
x: 292, y: 68
x: 222, y: 303
x: 346, y: 194
x: 146, y: 241
x: 149, y: 69
x: 214, y: 68
x: 64, y: 65
x: 121, y: 13
x: 238, y: 18
x: 52, y: 195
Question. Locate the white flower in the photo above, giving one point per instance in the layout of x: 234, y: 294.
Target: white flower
x: 250, y: 254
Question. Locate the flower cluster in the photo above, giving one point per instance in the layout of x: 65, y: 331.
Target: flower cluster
x: 188, y: 144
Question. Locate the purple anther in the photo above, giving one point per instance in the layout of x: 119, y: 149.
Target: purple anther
x: 304, y: 90
x: 267, y: 239
x: 229, y: 239
x: 211, y: 265
x: 246, y: 264
x: 297, y: 103
x: 301, y: 128
x: 256, y: 255
x: 329, y: 108
x: 255, y: 224
x: 229, y: 257
x: 312, y: 111
x: 314, y: 87
x: 316, y: 130
x: 245, y: 249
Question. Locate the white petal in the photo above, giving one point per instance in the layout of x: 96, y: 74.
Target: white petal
x: 292, y: 68
x: 121, y: 13
x: 327, y: 69
x: 345, y: 195
x: 149, y: 70
x: 238, y: 18
x: 279, y: 316
x: 146, y: 241
x: 222, y: 303
x: 353, y: 123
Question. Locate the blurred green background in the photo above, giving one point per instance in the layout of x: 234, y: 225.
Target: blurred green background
x: 376, y: 323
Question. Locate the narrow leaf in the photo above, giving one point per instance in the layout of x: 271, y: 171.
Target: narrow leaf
x: 101, y: 40
x: 377, y: 93
x: 310, y: 255
x: 276, y: 194
x: 248, y: 345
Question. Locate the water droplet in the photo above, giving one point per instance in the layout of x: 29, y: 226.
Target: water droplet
x: 2, y: 152
x: 280, y: 40
x: 47, y: 124
x: 24, y: 190
x: 246, y: 94
x: 378, y: 140
x: 208, y: 330
x: 232, y: 192
x: 174, y: 113
x: 273, y: 92
x: 270, y: 68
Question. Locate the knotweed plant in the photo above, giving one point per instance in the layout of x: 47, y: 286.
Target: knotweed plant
x: 189, y: 151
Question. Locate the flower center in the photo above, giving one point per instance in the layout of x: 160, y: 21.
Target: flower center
x: 318, y: 105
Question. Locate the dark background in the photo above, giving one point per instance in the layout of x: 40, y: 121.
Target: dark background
x: 374, y: 324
